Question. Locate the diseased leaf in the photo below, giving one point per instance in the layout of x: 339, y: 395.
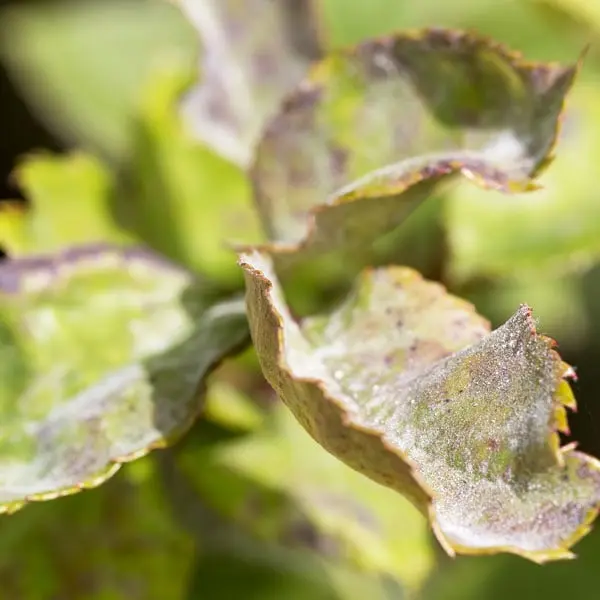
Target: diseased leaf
x: 405, y: 384
x: 71, y: 204
x: 403, y: 109
x: 102, y: 357
x: 81, y: 65
x: 253, y: 53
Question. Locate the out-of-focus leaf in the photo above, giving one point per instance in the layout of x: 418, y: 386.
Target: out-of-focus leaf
x: 226, y: 405
x: 586, y: 11
x: 278, y: 484
x: 254, y: 52
x: 257, y: 531
x: 81, y: 65
x: 173, y: 194
x: 119, y: 543
x: 400, y: 110
x: 405, y: 384
x: 103, y: 353
x: 70, y: 198
x: 179, y: 196
x: 501, y: 577
x: 559, y: 302
x: 221, y: 576
x: 512, y: 22
x: 555, y: 229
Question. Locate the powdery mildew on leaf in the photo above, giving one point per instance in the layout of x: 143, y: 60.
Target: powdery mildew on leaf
x: 253, y: 53
x: 432, y: 96
x: 406, y: 384
x: 102, y: 356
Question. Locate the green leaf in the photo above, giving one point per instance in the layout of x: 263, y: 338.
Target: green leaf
x: 133, y: 548
x: 403, y: 109
x: 71, y: 204
x: 406, y: 385
x: 278, y: 484
x: 177, y: 194
x: 103, y: 354
x: 515, y: 22
x: 173, y: 194
x: 222, y: 576
x: 82, y: 65
x: 254, y: 52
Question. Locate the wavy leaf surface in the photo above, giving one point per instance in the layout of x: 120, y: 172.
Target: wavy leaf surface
x: 103, y: 353
x: 407, y: 385
x: 434, y: 102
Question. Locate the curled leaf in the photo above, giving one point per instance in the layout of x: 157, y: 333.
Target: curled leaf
x: 433, y: 102
x: 407, y: 385
x: 253, y: 53
x: 103, y: 352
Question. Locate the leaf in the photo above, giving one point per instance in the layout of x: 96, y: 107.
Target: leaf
x: 405, y: 384
x: 81, y: 65
x: 103, y: 353
x: 221, y: 576
x: 394, y: 112
x: 172, y: 194
x: 177, y: 194
x: 254, y: 52
x: 133, y: 548
x: 279, y: 485
x: 70, y: 197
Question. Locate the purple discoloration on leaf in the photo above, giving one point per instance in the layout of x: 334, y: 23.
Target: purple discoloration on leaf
x: 407, y: 385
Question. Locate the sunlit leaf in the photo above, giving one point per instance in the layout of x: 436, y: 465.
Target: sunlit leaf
x: 406, y: 385
x: 177, y: 194
x: 82, y: 65
x: 402, y: 109
x: 103, y: 352
x: 70, y: 204
x: 253, y: 53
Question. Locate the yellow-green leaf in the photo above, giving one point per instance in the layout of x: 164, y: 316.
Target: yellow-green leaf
x: 103, y: 354
x: 70, y: 203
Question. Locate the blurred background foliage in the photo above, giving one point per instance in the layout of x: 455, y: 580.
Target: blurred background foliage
x: 247, y: 504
